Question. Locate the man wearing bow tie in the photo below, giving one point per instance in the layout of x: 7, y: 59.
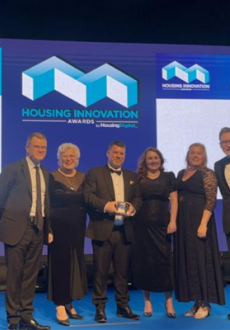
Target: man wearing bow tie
x: 24, y: 213
x: 110, y: 229
x: 222, y: 169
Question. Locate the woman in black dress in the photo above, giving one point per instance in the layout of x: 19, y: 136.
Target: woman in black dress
x: 198, y: 273
x: 154, y: 224
x: 67, y: 278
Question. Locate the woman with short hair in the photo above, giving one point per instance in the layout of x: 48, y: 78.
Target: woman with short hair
x: 67, y: 278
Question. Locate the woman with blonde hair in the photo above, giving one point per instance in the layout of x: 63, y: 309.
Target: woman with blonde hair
x: 197, y: 264
x: 67, y: 277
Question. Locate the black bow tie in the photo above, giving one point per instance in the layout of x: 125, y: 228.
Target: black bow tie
x: 114, y: 171
x: 227, y: 160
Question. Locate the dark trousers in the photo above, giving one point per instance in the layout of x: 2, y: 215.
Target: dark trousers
x: 23, y: 263
x: 117, y: 251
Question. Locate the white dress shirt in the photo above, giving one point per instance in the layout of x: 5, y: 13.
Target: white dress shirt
x: 227, y: 174
x: 118, y: 186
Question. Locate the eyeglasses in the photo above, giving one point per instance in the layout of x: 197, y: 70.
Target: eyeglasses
x: 224, y: 143
x: 38, y: 147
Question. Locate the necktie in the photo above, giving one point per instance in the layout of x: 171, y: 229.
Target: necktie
x: 38, y: 216
x: 114, y: 171
x: 227, y: 160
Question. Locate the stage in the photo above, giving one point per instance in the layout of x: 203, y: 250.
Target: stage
x: 45, y: 314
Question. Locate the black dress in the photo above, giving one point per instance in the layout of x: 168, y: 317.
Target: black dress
x: 197, y: 264
x: 152, y: 245
x: 67, y: 275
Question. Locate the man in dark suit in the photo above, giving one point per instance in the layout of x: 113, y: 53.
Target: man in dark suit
x: 222, y: 170
x: 110, y: 229
x: 24, y: 213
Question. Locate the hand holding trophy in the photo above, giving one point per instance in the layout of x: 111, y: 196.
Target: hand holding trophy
x: 122, y: 208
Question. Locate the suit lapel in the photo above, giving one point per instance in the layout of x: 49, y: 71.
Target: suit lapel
x: 222, y: 171
x: 109, y: 182
x: 46, y: 176
x: 26, y: 174
x: 126, y: 185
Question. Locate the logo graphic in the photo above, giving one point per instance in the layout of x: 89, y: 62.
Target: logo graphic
x: 83, y: 88
x: 175, y: 69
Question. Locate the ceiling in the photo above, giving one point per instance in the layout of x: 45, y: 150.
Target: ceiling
x: 155, y: 21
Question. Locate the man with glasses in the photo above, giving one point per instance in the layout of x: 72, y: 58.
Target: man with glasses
x: 222, y: 169
x: 24, y: 213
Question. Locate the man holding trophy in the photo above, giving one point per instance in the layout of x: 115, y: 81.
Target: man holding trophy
x: 113, y: 197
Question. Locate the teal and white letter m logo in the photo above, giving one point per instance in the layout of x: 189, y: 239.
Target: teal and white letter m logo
x: 176, y: 69
x: 83, y: 88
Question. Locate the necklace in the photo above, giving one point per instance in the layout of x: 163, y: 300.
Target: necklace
x: 71, y: 183
x: 154, y: 175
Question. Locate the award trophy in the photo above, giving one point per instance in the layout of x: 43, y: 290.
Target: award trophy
x: 123, y: 208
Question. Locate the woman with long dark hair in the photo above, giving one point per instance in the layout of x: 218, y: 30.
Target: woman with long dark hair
x: 154, y: 225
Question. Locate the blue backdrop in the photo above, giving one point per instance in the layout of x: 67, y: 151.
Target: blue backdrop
x: 93, y: 127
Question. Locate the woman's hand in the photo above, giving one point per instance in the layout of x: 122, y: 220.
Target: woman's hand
x: 171, y: 227
x: 202, y: 231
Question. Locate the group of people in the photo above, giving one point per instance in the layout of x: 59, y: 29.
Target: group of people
x: 132, y: 219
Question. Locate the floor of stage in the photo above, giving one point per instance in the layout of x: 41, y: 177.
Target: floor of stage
x: 45, y: 314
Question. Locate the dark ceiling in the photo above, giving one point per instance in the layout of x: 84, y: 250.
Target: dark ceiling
x: 155, y: 21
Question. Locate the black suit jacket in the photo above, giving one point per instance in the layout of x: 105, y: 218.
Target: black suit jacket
x: 225, y: 192
x: 98, y: 191
x: 16, y: 201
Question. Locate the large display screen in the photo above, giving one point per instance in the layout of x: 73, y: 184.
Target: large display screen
x: 90, y: 94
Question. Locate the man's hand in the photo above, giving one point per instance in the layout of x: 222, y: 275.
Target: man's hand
x: 110, y: 207
x: 50, y: 238
x: 131, y: 210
